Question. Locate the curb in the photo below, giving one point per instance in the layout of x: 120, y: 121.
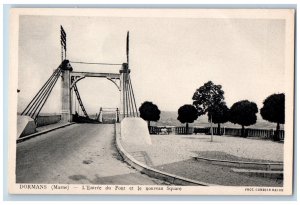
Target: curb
x: 171, y: 178
x: 243, y: 164
x: 42, y: 132
x: 260, y: 173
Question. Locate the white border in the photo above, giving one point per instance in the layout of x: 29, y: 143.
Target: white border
x: 164, y: 13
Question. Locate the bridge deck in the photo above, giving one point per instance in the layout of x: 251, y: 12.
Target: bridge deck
x: 79, y: 154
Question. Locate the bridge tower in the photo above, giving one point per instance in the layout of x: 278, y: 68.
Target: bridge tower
x: 124, y: 73
x: 66, y: 105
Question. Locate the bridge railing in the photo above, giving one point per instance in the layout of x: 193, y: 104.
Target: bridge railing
x: 47, y: 120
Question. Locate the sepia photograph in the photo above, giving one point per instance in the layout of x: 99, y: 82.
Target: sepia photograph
x: 151, y: 101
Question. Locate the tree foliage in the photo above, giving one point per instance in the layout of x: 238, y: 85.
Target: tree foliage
x: 273, y: 111
x: 243, y: 113
x: 273, y: 108
x: 207, y: 96
x: 187, y: 114
x: 219, y: 113
x: 149, y: 112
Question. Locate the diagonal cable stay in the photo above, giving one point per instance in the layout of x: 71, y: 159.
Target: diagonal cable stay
x: 80, y: 101
x: 36, y: 104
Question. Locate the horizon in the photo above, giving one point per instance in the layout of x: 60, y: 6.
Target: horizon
x: 169, y: 118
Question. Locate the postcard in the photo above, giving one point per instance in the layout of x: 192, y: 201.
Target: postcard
x: 151, y: 101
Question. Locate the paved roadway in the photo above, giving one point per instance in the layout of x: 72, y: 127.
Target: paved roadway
x: 77, y: 154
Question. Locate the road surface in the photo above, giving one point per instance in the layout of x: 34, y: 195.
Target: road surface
x: 77, y: 154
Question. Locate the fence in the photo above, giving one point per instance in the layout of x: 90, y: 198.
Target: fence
x: 158, y: 130
x: 168, y: 130
x: 47, y: 120
x: 182, y: 130
x: 249, y: 132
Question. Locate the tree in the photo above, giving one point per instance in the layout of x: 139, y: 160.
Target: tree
x: 273, y: 111
x: 244, y: 114
x: 187, y: 114
x: 149, y: 112
x: 219, y: 114
x: 206, y: 97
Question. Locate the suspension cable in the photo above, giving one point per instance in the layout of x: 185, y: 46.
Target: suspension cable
x: 127, y: 106
x: 80, y: 101
x: 123, y: 96
x: 43, y: 95
x: 42, y: 98
x: 130, y: 99
x: 133, y: 96
x: 74, y: 102
x: 47, y: 96
x: 37, y: 96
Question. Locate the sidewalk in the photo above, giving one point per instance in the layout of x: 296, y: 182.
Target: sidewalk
x: 51, y: 126
x: 45, y: 129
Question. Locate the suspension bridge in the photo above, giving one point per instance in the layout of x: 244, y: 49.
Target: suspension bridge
x: 70, y: 78
x: 82, y: 152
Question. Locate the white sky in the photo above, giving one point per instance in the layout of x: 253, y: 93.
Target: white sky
x: 169, y: 58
